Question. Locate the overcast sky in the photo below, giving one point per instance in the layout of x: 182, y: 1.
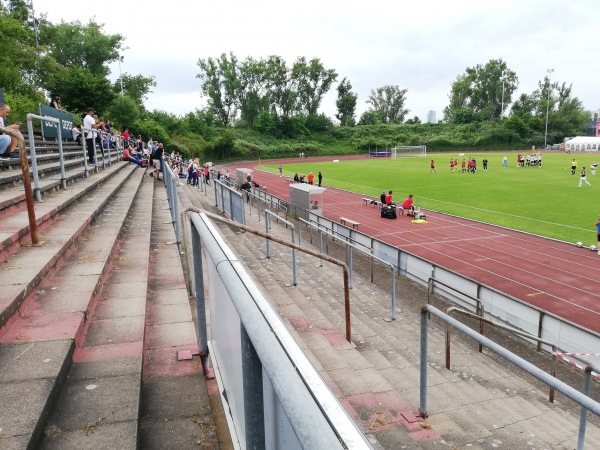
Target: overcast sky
x: 421, y: 46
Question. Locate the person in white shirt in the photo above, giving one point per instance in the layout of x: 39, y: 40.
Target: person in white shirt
x: 593, y: 168
x: 90, y: 123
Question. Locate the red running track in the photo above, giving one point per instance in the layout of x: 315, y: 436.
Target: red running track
x: 554, y: 276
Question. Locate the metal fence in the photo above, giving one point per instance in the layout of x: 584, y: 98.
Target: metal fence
x: 275, y: 397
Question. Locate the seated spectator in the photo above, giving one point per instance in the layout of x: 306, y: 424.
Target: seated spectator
x: 127, y: 157
x: 77, y: 134
x: 408, y: 205
x: 8, y: 144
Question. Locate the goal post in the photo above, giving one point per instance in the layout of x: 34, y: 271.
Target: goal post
x: 409, y: 150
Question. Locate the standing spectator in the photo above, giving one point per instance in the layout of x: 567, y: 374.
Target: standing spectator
x: 598, y: 232
x: 55, y: 102
x: 7, y: 143
x: 206, y: 174
x: 280, y: 170
x: 90, y: 123
x: 310, y: 178
x: 126, y: 136
x: 582, y: 179
x: 432, y: 167
x: 320, y: 178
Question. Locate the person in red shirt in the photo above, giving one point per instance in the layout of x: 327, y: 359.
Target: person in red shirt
x: 388, y: 199
x: 408, y: 205
x: 310, y: 177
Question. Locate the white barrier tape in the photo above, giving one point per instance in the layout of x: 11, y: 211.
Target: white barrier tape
x: 574, y: 364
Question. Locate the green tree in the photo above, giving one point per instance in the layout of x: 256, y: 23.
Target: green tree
x: 24, y: 66
x: 254, y: 87
x: 480, y: 90
x: 372, y: 118
x: 414, y: 120
x: 136, y: 87
x: 346, y: 104
x: 220, y: 83
x: 283, y: 93
x: 389, y: 102
x: 80, y: 89
x: 85, y: 46
x: 313, y: 82
x: 123, y: 111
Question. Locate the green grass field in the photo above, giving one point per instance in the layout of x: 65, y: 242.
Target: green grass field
x: 542, y: 200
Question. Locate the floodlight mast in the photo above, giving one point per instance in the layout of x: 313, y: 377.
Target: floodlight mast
x: 547, y: 108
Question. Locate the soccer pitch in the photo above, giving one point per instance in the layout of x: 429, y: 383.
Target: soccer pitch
x: 541, y: 200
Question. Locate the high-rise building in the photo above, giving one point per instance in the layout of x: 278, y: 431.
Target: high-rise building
x: 431, y: 117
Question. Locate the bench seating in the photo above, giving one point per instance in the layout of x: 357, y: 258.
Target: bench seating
x: 375, y: 202
x: 345, y: 220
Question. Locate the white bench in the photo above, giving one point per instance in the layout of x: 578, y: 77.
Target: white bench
x: 374, y: 201
x: 345, y: 220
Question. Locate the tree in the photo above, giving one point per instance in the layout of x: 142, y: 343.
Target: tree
x: 480, y: 90
x: 85, y: 46
x: 80, y: 89
x: 313, y: 82
x: 389, y: 102
x: 24, y: 66
x: 136, y: 87
x: 372, y: 118
x: 414, y: 120
x: 283, y: 95
x: 346, y: 103
x: 219, y: 82
x: 253, y: 93
x: 123, y: 111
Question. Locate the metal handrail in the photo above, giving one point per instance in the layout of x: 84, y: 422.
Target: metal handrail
x: 583, y: 400
x: 350, y: 245
x: 33, y: 231
x: 308, y: 251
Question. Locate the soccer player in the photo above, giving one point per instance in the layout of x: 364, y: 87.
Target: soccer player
x: 432, y: 167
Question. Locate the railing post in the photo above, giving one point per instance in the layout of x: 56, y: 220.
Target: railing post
x: 36, y: 177
x: 253, y: 393
x: 587, y: 375
x: 294, y: 269
x: 423, y: 372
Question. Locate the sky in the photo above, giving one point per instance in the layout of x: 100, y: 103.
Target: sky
x: 418, y: 46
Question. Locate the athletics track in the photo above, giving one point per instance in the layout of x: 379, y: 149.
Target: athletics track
x: 554, y: 276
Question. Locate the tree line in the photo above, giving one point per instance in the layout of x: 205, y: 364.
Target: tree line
x: 255, y: 103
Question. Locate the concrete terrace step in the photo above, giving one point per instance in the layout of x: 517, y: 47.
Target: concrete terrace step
x: 36, y: 347
x: 24, y: 269
x: 48, y: 173
x: 392, y: 350
x: 99, y: 403
x: 13, y: 209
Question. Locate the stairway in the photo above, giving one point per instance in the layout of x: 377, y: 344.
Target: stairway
x: 86, y: 362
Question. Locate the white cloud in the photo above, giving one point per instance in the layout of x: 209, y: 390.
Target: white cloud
x: 420, y: 46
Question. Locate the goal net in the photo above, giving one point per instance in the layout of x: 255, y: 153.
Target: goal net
x: 409, y: 150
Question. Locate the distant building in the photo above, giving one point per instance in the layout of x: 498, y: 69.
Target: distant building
x: 593, y: 128
x: 431, y: 117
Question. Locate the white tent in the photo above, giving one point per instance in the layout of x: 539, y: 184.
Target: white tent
x: 583, y: 144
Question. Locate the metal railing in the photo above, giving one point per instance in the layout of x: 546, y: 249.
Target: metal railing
x: 265, y: 368
x: 36, y: 176
x: 349, y: 245
x: 171, y: 181
x: 586, y: 403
